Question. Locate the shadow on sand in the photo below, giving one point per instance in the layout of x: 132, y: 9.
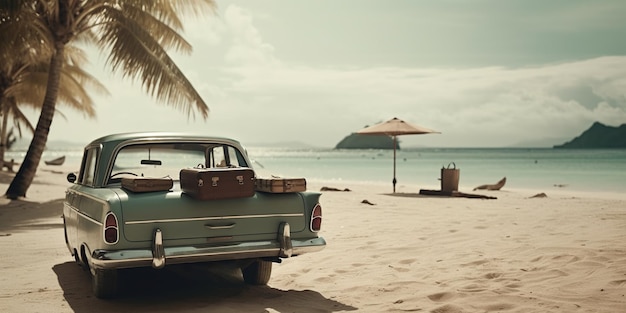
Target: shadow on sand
x: 187, y: 288
x: 22, y: 215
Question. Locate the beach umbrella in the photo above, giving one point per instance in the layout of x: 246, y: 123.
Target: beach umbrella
x: 395, y: 127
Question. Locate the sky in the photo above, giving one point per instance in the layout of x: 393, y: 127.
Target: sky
x: 484, y: 73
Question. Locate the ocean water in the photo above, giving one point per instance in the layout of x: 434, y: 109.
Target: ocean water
x: 532, y: 168
x: 540, y: 168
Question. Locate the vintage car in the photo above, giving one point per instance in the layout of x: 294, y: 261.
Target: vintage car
x: 126, y: 209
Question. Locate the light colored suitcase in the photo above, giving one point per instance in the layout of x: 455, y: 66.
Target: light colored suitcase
x: 281, y: 185
x: 145, y: 184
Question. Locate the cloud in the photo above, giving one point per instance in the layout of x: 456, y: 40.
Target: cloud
x: 256, y: 96
x: 489, y: 106
x: 247, y: 47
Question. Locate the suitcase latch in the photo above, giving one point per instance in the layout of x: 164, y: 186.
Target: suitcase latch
x: 214, y: 181
x: 200, y: 182
x: 240, y: 179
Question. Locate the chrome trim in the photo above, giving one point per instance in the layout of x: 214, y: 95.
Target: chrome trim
x: 195, y: 219
x: 87, y: 217
x: 216, y: 227
x: 86, y: 195
x: 106, y: 207
x: 104, y: 259
x: 158, y: 253
x: 284, y: 238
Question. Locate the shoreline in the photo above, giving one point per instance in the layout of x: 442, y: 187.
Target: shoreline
x: 579, y: 171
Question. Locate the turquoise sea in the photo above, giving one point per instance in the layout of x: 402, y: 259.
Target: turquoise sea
x: 526, y: 168
x: 533, y: 168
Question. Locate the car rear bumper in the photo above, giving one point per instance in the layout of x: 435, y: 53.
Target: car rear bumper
x: 159, y: 255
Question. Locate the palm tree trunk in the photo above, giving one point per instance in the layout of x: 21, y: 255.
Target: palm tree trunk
x: 3, y: 132
x: 26, y: 174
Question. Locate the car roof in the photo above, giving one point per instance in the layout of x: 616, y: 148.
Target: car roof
x: 115, y: 139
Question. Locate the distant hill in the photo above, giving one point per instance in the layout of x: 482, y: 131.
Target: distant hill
x: 598, y: 136
x: 547, y: 142
x: 357, y: 141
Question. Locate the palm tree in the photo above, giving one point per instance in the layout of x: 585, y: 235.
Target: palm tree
x: 136, y: 34
x: 24, y: 85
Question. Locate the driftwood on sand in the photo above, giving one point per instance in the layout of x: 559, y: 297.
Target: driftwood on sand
x: 446, y: 193
x: 333, y: 189
x: 495, y: 186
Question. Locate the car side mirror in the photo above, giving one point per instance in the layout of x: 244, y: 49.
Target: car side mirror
x: 71, y: 177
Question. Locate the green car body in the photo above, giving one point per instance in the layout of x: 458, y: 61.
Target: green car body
x: 108, y: 227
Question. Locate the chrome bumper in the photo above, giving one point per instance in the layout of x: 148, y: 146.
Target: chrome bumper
x: 159, y: 255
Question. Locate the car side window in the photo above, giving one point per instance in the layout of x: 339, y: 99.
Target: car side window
x: 89, y: 168
x: 218, y: 158
x: 235, y: 158
x: 226, y: 156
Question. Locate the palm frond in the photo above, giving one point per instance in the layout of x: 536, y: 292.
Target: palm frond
x: 138, y: 55
x: 29, y: 87
x: 23, y: 42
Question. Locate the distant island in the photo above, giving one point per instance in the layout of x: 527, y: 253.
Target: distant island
x: 357, y: 141
x: 598, y: 136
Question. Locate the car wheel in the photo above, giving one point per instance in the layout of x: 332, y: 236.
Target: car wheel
x: 257, y: 273
x: 104, y: 283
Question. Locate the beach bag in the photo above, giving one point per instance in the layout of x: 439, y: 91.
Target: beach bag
x: 450, y: 178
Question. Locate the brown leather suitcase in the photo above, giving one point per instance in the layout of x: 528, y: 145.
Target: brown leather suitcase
x: 217, y: 183
x: 281, y: 185
x: 145, y: 184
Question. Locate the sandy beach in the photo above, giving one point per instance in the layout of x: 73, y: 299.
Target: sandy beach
x: 405, y: 253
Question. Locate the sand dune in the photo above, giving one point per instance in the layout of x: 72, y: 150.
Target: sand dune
x: 562, y: 253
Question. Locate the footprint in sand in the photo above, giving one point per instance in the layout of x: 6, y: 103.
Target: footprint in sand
x: 407, y: 261
x: 325, y: 279
x: 399, y: 269
x: 473, y: 288
x: 476, y: 263
x: 498, y: 307
x: 620, y: 282
x: 448, y: 308
x: 441, y: 296
x: 493, y: 275
x: 567, y: 258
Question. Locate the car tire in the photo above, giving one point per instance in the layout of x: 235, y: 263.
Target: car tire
x: 104, y: 283
x: 257, y: 273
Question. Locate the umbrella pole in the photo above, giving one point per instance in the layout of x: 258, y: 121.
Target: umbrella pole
x: 394, y: 164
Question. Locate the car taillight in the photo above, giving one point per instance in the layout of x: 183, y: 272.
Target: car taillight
x: 111, y: 231
x: 316, y: 218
